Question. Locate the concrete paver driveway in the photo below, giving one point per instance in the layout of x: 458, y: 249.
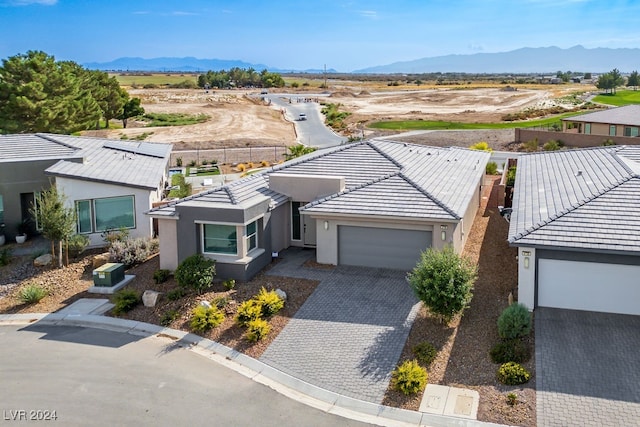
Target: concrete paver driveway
x: 349, y: 334
x: 588, y: 368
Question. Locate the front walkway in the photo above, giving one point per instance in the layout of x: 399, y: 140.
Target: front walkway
x: 587, y: 367
x: 349, y: 334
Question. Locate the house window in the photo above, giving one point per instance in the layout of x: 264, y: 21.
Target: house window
x: 83, y: 214
x: 630, y: 131
x: 612, y: 130
x: 252, y: 235
x: 587, y: 128
x: 295, y: 221
x: 110, y: 213
x: 114, y: 213
x: 220, y: 239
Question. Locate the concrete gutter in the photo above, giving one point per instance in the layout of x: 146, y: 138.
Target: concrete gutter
x: 259, y: 372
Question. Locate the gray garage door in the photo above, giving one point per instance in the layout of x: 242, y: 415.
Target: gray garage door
x: 381, y: 247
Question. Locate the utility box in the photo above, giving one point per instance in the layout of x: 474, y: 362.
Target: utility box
x: 109, y: 274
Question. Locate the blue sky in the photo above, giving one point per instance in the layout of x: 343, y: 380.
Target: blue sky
x: 345, y: 35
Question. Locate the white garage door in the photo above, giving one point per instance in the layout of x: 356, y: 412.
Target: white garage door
x: 609, y: 288
x: 381, y: 247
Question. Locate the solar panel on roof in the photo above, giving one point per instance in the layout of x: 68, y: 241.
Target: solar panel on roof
x: 145, y: 149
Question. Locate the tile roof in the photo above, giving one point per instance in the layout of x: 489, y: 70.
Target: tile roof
x: 29, y: 147
x: 385, y: 178
x: 132, y: 163
x: 627, y: 115
x: 586, y: 199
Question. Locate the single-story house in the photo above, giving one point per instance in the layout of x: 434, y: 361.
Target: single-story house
x: 110, y: 183
x: 576, y: 224
x: 620, y: 121
x: 369, y: 203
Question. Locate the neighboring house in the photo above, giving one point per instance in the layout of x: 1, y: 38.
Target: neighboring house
x: 576, y: 223
x: 371, y: 203
x: 110, y: 183
x: 621, y: 121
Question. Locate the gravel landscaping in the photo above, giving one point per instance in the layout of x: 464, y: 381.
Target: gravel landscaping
x: 463, y: 346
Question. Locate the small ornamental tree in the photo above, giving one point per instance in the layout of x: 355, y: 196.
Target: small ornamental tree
x: 443, y: 281
x: 58, y: 221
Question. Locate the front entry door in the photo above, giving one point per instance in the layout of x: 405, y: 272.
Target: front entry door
x: 309, y: 230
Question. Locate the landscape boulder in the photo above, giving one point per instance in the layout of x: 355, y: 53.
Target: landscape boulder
x: 205, y: 304
x: 282, y: 294
x: 101, y: 259
x: 43, y: 260
x: 150, y: 298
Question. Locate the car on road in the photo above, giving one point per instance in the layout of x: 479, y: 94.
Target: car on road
x: 302, y: 116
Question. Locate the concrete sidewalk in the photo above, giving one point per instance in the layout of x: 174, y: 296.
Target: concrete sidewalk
x: 281, y: 382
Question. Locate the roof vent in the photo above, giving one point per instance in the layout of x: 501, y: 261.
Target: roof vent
x: 579, y: 173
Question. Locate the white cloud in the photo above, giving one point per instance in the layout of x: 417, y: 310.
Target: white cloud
x: 182, y: 13
x: 371, y: 14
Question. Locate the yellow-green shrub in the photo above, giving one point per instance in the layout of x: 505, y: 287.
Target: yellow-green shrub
x: 204, y: 319
x: 257, y: 329
x: 409, y: 377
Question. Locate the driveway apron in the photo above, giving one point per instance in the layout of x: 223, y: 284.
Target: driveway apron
x: 588, y: 368
x: 349, y: 334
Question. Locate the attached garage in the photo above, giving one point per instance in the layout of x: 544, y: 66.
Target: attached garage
x: 381, y: 247
x: 592, y: 286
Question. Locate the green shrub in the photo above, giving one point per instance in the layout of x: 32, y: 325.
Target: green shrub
x: 552, y: 145
x: 513, y: 350
x: 247, y: 311
x: 608, y: 142
x: 220, y: 302
x: 269, y: 301
x: 176, y: 294
x: 77, y: 244
x: 531, y: 146
x: 133, y: 251
x: 514, y: 322
x: 196, y: 272
x: 168, y: 317
x: 5, y: 257
x: 409, y: 377
x: 443, y: 281
x: 204, y: 319
x: 511, y: 373
x: 512, y: 399
x: 31, y: 294
x: 113, y: 235
x: 511, y: 176
x: 425, y: 353
x: 161, y: 276
x: 179, y: 161
x: 229, y: 284
x: 125, y: 300
x: 492, y: 168
x: 257, y: 329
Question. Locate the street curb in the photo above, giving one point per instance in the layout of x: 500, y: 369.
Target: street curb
x: 259, y: 372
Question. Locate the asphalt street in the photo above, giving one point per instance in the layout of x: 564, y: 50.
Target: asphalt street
x: 85, y: 376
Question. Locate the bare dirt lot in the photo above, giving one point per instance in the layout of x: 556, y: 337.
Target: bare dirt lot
x: 238, y: 119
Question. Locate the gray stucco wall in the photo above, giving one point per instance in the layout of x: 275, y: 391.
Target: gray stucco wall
x: 17, y: 178
x: 188, y: 235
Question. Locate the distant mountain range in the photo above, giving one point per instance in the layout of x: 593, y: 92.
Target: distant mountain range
x: 187, y: 64
x: 525, y: 60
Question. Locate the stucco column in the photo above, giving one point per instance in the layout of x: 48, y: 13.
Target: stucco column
x: 527, y: 276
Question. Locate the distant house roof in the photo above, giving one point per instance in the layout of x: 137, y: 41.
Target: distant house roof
x: 382, y: 178
x: 627, y: 115
x: 585, y: 199
x: 131, y: 163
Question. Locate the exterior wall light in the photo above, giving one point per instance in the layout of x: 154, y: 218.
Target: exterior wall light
x: 326, y: 225
x: 443, y: 232
x: 525, y: 261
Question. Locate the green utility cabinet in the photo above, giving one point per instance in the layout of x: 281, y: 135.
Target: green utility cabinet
x: 109, y: 274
